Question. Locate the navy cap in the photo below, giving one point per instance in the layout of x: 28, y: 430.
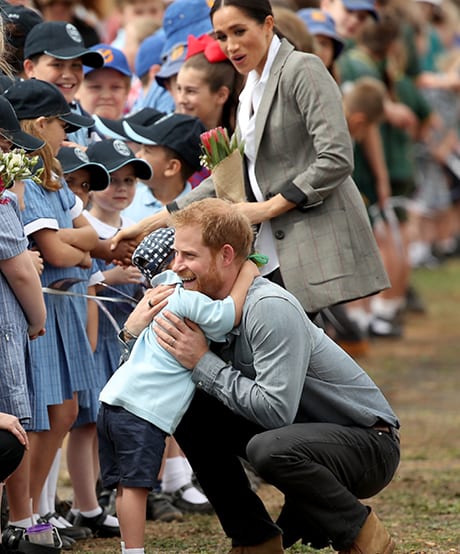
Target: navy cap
x: 73, y: 158
x: 179, y: 132
x: 113, y: 58
x: 113, y: 128
x: 172, y: 64
x: 62, y: 41
x: 114, y: 154
x: 23, y: 19
x: 11, y: 129
x: 362, y: 5
x: 149, y: 53
x: 319, y: 22
x: 155, y: 252
x: 183, y: 18
x: 34, y: 98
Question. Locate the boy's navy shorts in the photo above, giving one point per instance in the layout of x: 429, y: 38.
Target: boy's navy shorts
x: 130, y: 448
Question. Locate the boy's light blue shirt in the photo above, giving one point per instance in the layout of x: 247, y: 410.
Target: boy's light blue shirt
x: 151, y: 383
x: 145, y: 204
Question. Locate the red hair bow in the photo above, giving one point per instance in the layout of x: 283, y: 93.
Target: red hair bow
x: 206, y: 44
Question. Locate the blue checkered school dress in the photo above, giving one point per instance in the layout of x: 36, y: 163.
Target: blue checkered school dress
x: 108, y: 351
x: 16, y: 390
x: 62, y: 361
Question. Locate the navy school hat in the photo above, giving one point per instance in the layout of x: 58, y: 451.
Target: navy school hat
x: 113, y: 128
x: 319, y: 22
x: 34, y: 98
x: 22, y: 20
x: 183, y: 18
x: 114, y: 154
x: 11, y: 129
x: 155, y: 252
x: 62, y: 41
x: 73, y: 159
x: 179, y: 132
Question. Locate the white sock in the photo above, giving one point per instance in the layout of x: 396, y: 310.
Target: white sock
x: 134, y: 551
x: 361, y: 317
x: 92, y: 513
x: 123, y: 550
x: 24, y: 523
x: 74, y: 511
x: 194, y: 496
x: 386, y: 308
x: 109, y: 520
x: 175, y: 475
x: 48, y: 495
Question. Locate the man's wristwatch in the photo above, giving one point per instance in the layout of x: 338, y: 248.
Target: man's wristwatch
x: 125, y: 335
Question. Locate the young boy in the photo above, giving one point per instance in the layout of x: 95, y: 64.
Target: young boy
x: 363, y: 104
x: 145, y: 398
x: 54, y: 51
x: 172, y: 147
x: 104, y: 90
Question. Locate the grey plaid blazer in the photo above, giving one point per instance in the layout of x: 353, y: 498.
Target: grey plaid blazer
x: 326, y: 246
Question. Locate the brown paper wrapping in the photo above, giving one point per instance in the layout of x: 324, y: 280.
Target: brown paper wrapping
x: 228, y: 178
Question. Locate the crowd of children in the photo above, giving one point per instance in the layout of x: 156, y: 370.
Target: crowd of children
x: 115, y: 105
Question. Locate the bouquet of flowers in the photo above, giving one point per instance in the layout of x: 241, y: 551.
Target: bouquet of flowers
x: 15, y: 166
x: 223, y: 156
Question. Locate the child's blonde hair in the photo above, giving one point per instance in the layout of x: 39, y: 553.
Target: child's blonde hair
x: 366, y: 95
x: 52, y: 170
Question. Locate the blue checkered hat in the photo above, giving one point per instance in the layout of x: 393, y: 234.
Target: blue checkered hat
x: 154, y: 253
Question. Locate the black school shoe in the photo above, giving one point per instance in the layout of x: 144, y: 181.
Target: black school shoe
x: 74, y: 532
x: 97, y: 525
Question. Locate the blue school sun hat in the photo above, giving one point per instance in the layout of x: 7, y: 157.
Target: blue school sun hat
x: 172, y: 64
x: 362, y: 5
x: 149, y: 53
x: 183, y: 18
x: 113, y: 59
x: 319, y: 22
x: 155, y: 252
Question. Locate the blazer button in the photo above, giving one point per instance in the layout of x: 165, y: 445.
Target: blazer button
x: 279, y: 235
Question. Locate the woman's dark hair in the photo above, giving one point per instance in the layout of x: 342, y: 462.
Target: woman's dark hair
x: 255, y: 9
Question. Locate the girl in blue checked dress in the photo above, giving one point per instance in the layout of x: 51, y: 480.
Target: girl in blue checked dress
x: 62, y: 360
x: 22, y: 317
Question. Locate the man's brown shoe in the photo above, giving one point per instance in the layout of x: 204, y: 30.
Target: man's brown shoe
x: 372, y: 539
x: 272, y: 546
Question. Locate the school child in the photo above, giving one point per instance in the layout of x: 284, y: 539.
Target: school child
x: 123, y: 285
x: 207, y: 84
x: 54, y: 51
x: 327, y: 44
x: 82, y: 177
x: 145, y: 398
x: 62, y: 361
x: 104, y: 90
x: 22, y: 318
x: 172, y: 147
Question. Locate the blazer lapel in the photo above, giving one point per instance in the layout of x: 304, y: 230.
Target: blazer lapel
x: 270, y: 88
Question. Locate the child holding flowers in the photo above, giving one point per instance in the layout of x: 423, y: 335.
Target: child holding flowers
x: 62, y: 358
